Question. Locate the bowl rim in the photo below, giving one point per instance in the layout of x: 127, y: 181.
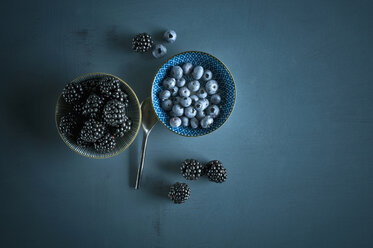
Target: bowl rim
x: 138, y: 106
x: 230, y: 74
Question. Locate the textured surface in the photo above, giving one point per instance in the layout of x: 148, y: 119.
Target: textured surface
x: 297, y: 148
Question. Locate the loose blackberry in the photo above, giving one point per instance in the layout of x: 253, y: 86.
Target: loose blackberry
x: 179, y: 192
x: 82, y: 143
x: 72, y: 92
x: 68, y: 124
x: 123, y: 128
x: 114, y: 113
x: 142, y: 42
x: 191, y: 169
x: 105, y: 144
x: 93, y: 106
x: 107, y: 86
x: 216, y: 172
x: 92, y: 130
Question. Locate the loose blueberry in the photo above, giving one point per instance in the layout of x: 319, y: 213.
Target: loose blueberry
x: 180, y: 82
x: 185, y: 101
x: 194, y: 123
x: 190, y: 112
x: 207, y: 75
x: 178, y: 110
x: 185, y: 121
x: 200, y: 115
x: 167, y: 105
x: 213, y: 111
x: 215, y: 99
x: 174, y: 91
x: 202, y: 93
x: 170, y: 36
x: 207, y: 122
x: 175, y: 122
x: 197, y: 72
x: 169, y: 83
x: 193, y: 86
x: 176, y: 72
x: 159, y: 51
x: 164, y: 94
x: 184, y: 91
x: 187, y: 68
x: 206, y: 103
x: 199, y: 105
x: 194, y: 98
x: 212, y: 87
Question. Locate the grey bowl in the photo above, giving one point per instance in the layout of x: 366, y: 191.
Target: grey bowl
x: 133, y: 111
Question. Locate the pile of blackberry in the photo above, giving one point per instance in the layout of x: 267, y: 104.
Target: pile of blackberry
x: 98, y: 114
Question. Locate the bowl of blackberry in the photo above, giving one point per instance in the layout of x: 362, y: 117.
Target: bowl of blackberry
x: 98, y: 115
x: 193, y: 94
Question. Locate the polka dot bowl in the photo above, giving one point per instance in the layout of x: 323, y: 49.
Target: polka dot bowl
x: 221, y: 74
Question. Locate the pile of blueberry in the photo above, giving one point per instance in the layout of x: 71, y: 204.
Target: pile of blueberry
x: 190, y: 96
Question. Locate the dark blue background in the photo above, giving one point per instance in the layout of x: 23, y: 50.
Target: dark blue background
x: 298, y: 147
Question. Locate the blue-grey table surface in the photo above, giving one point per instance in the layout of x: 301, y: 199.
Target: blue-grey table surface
x: 298, y: 146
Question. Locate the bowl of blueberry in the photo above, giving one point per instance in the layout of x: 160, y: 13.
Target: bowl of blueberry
x: 98, y: 115
x: 193, y: 94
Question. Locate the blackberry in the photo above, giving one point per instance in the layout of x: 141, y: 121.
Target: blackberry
x: 107, y: 86
x: 216, y: 172
x: 90, y: 85
x: 114, y: 113
x: 123, y: 128
x: 72, y: 92
x: 142, y: 42
x: 179, y: 192
x: 105, y: 144
x: 68, y: 124
x: 82, y: 143
x: 93, y: 106
x: 191, y: 169
x: 120, y: 96
x: 92, y: 130
x: 78, y: 108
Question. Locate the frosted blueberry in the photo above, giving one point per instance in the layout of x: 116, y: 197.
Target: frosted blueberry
x: 213, y: 111
x: 185, y: 121
x: 180, y: 82
x: 176, y: 100
x: 167, y: 105
x: 169, y: 83
x: 207, y: 122
x: 185, y: 101
x: 176, y: 72
x: 184, y: 91
x: 197, y: 72
x: 170, y: 36
x: 200, y: 115
x: 202, y: 93
x: 194, y: 85
x: 194, y: 123
x: 175, y: 122
x: 206, y: 103
x: 194, y: 98
x: 199, y: 105
x: 178, y: 110
x: 164, y: 94
x: 187, y: 68
x: 212, y: 87
x: 190, y: 112
x: 159, y: 51
x: 215, y: 99
x: 207, y: 75
x: 174, y: 91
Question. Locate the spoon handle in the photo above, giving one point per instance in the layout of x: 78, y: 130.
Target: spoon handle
x: 139, y: 172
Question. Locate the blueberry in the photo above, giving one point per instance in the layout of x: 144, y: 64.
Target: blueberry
x: 190, y: 112
x: 167, y: 105
x: 213, y: 111
x: 201, y: 93
x: 187, y: 68
x: 176, y: 72
x: 212, y: 87
x: 194, y: 123
x: 184, y: 91
x: 185, y: 101
x: 215, y: 99
x: 164, y: 94
x: 185, y: 121
x: 197, y: 72
x: 169, y: 83
x: 206, y: 103
x: 178, y: 110
x: 194, y: 98
x: 207, y: 75
x: 174, y: 91
x: 176, y: 100
x: 175, y: 122
x: 180, y: 82
x: 172, y: 114
x: 199, y: 105
x: 159, y: 51
x: 194, y: 85
x: 200, y: 115
x: 207, y: 122
x: 170, y: 36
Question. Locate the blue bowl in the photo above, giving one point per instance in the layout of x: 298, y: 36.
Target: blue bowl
x: 221, y: 74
